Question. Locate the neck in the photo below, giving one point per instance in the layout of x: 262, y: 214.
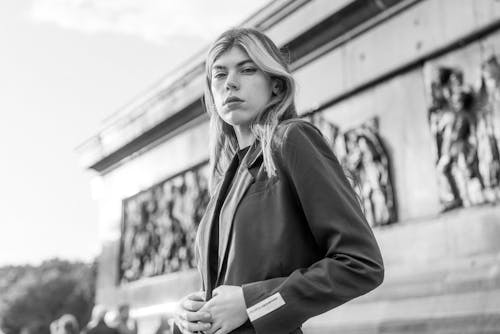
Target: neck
x: 244, y: 136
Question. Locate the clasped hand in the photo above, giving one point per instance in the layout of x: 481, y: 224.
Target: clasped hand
x: 223, y: 313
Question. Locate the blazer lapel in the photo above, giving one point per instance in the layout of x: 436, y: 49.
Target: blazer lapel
x: 253, y: 155
x: 203, y: 236
x: 242, y: 180
x: 209, y: 219
x: 240, y: 185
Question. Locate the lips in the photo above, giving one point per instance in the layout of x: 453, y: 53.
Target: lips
x: 231, y: 99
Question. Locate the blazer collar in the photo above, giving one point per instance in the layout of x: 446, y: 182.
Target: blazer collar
x: 253, y: 154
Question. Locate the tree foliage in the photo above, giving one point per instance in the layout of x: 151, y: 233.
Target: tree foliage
x: 34, y: 296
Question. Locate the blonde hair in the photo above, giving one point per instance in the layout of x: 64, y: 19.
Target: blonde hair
x: 268, y: 58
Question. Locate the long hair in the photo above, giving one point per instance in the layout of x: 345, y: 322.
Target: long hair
x: 269, y: 59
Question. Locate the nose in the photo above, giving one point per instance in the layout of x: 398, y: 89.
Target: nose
x: 232, y: 82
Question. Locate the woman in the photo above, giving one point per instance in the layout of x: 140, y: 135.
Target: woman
x: 66, y: 324
x: 283, y: 238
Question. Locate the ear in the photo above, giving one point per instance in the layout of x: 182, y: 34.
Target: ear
x: 277, y: 86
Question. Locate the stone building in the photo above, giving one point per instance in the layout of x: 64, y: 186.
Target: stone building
x: 407, y: 92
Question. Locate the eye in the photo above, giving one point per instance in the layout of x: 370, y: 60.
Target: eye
x: 218, y: 75
x: 249, y: 70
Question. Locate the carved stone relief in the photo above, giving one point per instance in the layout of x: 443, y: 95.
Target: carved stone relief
x: 159, y: 226
x: 464, y: 124
x: 363, y: 156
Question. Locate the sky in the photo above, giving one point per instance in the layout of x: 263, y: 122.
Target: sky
x: 65, y: 66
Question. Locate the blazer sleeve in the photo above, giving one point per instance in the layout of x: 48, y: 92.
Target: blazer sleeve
x: 352, y: 263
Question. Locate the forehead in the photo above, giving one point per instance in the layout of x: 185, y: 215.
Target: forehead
x: 231, y: 57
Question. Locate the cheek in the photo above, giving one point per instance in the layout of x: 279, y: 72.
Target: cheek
x: 263, y: 87
x: 262, y: 94
x: 217, y: 96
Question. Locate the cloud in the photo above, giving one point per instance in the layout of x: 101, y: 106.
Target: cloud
x: 156, y: 21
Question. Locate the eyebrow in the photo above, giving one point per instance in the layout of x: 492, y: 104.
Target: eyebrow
x: 241, y: 63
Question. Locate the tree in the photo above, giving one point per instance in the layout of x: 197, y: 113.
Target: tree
x: 35, y: 296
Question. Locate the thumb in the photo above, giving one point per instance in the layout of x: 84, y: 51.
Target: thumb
x: 217, y: 290
x: 197, y: 296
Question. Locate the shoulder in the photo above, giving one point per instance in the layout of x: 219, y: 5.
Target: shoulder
x: 297, y: 134
x: 296, y: 127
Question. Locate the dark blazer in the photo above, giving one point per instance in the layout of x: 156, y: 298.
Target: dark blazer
x: 298, y: 242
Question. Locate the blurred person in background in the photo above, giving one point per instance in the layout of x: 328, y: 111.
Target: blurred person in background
x: 67, y: 324
x: 164, y: 326
x: 97, y: 325
x: 125, y: 324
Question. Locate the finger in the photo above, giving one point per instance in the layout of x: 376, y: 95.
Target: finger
x: 194, y: 326
x: 192, y: 305
x: 179, y: 325
x: 216, y: 328
x: 198, y: 296
x: 195, y: 316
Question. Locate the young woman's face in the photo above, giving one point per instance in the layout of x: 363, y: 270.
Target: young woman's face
x: 239, y: 88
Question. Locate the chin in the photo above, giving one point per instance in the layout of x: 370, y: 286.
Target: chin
x: 237, y: 122
x: 234, y: 120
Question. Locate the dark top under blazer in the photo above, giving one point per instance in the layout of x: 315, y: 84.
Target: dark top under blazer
x: 301, y: 233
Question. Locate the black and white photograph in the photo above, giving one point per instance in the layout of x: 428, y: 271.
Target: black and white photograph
x: 250, y: 167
